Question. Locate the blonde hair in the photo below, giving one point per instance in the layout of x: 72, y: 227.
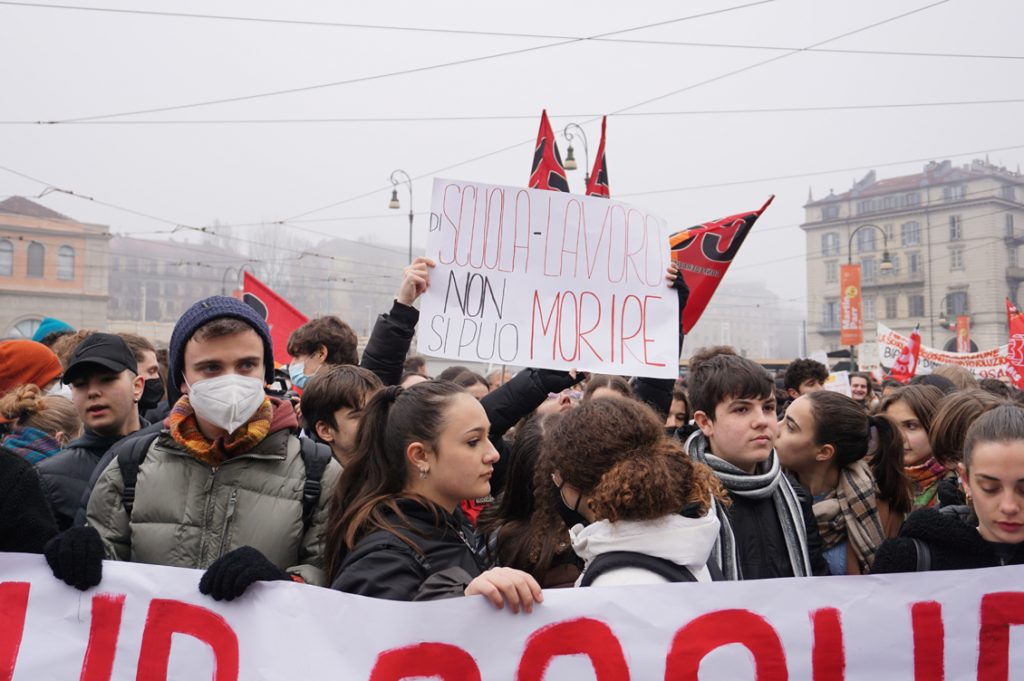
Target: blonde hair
x: 27, y: 407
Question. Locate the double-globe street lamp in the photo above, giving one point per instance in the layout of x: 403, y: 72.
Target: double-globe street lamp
x: 885, y: 266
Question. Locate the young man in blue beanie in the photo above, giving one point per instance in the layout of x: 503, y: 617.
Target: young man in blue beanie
x: 225, y: 485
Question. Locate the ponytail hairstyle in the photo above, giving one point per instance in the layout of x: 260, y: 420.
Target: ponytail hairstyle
x: 1005, y: 423
x: 954, y: 415
x: 616, y: 452
x: 841, y: 422
x: 27, y: 407
x: 378, y: 474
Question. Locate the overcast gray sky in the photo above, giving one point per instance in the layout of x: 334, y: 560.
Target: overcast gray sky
x: 332, y: 177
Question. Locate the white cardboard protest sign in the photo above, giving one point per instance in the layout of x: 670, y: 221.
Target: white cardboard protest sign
x: 839, y: 382
x: 547, y: 279
x: 151, y: 623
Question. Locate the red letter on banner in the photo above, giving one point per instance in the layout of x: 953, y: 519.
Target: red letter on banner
x: 103, y: 632
x: 582, y: 636
x: 999, y: 611
x: 929, y: 644
x: 448, y: 662
x: 168, y: 617
x: 13, y: 606
x: 828, y: 658
x: 723, y: 627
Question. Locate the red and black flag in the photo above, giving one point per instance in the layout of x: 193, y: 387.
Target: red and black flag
x: 703, y: 254
x: 548, y: 172
x: 598, y: 184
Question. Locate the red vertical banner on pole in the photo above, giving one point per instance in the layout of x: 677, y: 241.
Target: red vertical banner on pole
x: 851, y: 325
x: 963, y: 334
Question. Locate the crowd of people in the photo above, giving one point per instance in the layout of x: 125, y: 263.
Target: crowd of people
x: 362, y: 473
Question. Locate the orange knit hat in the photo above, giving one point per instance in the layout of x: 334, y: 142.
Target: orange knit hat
x: 25, y: 361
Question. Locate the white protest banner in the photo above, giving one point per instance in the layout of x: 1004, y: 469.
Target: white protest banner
x: 995, y: 363
x: 548, y: 279
x: 150, y: 623
x: 839, y: 382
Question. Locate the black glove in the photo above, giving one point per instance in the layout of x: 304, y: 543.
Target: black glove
x: 231, y: 574
x: 556, y: 381
x: 76, y: 557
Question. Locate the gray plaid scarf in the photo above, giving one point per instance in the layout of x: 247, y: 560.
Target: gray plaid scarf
x: 768, y: 481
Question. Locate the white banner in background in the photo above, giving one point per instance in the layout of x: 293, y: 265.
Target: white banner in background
x: 994, y: 363
x: 150, y: 623
x: 538, y: 278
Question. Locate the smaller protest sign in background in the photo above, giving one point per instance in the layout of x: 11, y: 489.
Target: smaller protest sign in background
x: 548, y: 279
x: 851, y: 325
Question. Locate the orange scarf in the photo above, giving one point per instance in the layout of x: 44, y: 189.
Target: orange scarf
x: 185, y: 431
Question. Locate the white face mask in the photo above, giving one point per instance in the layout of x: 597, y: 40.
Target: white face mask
x: 227, y: 401
x: 60, y: 389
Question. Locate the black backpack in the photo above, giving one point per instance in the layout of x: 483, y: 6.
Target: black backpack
x: 673, y: 572
x: 315, y: 456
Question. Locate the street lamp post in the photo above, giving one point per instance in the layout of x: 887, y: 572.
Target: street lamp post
x: 885, y: 266
x: 393, y: 203
x: 570, y: 159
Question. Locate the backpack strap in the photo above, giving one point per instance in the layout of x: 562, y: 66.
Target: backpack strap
x: 614, y: 560
x: 129, y: 459
x: 316, y: 457
x: 924, y: 555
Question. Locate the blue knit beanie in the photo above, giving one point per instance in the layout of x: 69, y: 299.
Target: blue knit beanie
x: 50, y: 325
x: 202, y: 312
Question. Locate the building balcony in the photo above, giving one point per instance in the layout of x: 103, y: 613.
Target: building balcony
x: 1015, y: 274
x: 827, y: 329
x: 885, y: 280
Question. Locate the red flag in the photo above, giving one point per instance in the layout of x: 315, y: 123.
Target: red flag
x: 598, y: 184
x: 547, y: 172
x: 704, y: 253
x: 1014, y: 319
x: 906, y: 364
x: 281, y: 317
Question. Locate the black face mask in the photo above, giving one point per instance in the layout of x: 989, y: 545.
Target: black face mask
x: 570, y: 516
x: 152, y: 393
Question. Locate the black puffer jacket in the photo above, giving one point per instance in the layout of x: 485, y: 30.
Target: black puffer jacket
x: 381, y: 565
x: 66, y: 476
x: 388, y: 345
x: 760, y: 544
x: 952, y: 537
x: 26, y: 523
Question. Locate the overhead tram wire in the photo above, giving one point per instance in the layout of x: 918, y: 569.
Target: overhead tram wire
x: 516, y: 117
x: 490, y: 34
x: 419, y: 69
x: 628, y: 108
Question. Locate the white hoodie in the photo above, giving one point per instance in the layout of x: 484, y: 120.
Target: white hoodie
x: 682, y: 540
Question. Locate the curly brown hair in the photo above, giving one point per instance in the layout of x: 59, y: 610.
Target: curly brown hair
x: 616, y: 453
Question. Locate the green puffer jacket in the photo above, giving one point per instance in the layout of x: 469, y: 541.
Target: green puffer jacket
x: 188, y: 514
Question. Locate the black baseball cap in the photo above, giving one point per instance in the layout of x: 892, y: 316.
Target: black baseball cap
x: 104, y: 350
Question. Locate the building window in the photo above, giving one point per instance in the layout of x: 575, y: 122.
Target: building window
x: 914, y: 263
x: 956, y: 228
x: 868, y: 269
x: 912, y: 199
x: 895, y: 260
x: 1009, y: 192
x: 868, y: 305
x: 830, y: 244
x: 889, y: 202
x: 888, y: 230
x: 868, y: 206
x: 831, y: 271
x: 6, y: 258
x: 36, y: 258
x: 830, y: 315
x: 915, y: 306
x: 66, y: 263
x: 954, y: 193
x: 115, y: 264
x: 956, y: 258
x: 1011, y: 256
x: 956, y: 305
x: 1009, y: 225
x: 910, y: 233
x: 866, y: 240
x: 830, y: 212
x: 890, y: 307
